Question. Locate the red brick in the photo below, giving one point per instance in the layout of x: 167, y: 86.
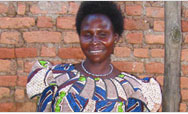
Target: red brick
x: 26, y: 52
x: 184, y: 94
x: 131, y: 67
x: 184, y: 69
x: 183, y: 107
x: 185, y: 38
x: 49, y: 8
x: 141, y: 52
x: 4, y: 92
x: 48, y: 52
x: 73, y: 7
x: 20, y: 72
x: 144, y: 76
x: 28, y: 66
x: 20, y: 67
x: 42, y: 37
x: 71, y: 53
x: 155, y: 12
x: 154, y: 67
x: 10, y: 38
x: 11, y: 10
x: 8, y: 80
x: 183, y: 82
x: 3, y: 8
x: 184, y: 55
x: 66, y: 22
x: 64, y: 8
x: 135, y: 24
x: 130, y: 2
x: 154, y: 39
x: 36, y: 10
x: 6, y: 53
x: 26, y: 107
x: 134, y: 37
x: 22, y: 81
x: 138, y: 2
x: 5, y: 65
x: 159, y: 26
x: 44, y: 22
x: 133, y: 10
x: 7, y: 107
x: 71, y: 37
x: 21, y: 8
x: 18, y: 22
x: 57, y: 62
x: 157, y: 53
x: 19, y: 94
x: 184, y: 25
x: 155, y: 3
x: 160, y: 79
x: 20, y: 64
x: 122, y: 52
x: 185, y: 13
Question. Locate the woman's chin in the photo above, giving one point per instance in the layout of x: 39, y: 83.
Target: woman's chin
x: 96, y: 60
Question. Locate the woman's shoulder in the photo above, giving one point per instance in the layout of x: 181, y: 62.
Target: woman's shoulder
x: 44, y: 74
x: 44, y: 69
x: 146, y: 89
x: 136, y: 81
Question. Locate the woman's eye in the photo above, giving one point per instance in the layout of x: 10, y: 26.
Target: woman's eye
x: 87, y: 34
x: 103, y: 35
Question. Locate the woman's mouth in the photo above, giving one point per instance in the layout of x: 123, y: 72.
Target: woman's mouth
x: 95, y: 51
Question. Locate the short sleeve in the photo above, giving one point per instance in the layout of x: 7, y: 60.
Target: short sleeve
x: 39, y: 78
x: 147, y: 90
x: 152, y: 92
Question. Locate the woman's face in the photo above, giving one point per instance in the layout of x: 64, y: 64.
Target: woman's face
x: 97, y: 37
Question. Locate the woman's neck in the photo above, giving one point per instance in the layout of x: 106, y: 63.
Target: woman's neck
x: 98, y: 68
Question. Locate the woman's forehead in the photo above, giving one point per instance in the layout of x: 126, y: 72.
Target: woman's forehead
x: 96, y: 20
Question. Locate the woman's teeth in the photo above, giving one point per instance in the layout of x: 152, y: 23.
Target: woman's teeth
x: 97, y: 51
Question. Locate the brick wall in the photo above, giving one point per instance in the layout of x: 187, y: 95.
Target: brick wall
x: 32, y: 31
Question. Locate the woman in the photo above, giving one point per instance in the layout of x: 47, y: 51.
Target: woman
x: 94, y: 85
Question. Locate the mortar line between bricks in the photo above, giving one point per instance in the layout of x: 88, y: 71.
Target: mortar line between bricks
x: 16, y: 65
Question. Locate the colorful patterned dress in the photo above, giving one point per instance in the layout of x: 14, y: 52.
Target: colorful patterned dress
x: 62, y: 88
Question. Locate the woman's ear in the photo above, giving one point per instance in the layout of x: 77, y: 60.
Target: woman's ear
x: 116, y: 37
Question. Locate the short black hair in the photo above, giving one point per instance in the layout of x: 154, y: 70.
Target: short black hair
x: 107, y: 8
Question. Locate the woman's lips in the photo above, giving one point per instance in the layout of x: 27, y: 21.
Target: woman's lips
x: 95, y: 51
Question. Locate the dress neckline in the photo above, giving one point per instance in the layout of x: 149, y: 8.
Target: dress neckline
x: 98, y: 77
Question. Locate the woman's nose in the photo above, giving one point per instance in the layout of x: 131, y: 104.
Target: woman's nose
x: 95, y: 39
